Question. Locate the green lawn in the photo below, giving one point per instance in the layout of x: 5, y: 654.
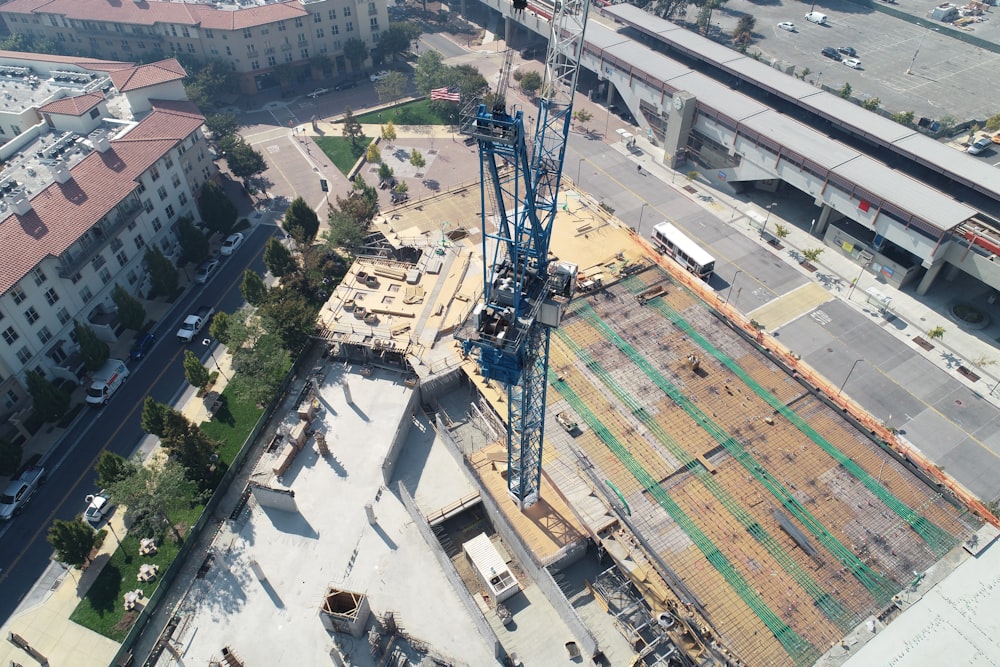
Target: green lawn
x: 232, y: 424
x: 341, y: 152
x: 102, y: 608
x: 421, y: 112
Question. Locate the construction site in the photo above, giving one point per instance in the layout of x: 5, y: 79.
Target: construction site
x: 743, y: 515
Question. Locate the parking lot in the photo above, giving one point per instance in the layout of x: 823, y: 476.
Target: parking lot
x: 908, y: 67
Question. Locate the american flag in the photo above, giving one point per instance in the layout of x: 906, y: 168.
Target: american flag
x: 446, y: 94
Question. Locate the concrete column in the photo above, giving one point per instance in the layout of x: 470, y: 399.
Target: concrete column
x: 508, y: 29
x: 347, y: 393
x: 824, y: 220
x: 929, y: 276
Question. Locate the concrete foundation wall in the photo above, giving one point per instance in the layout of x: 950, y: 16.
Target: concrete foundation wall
x: 278, y: 499
x: 537, y: 573
x: 402, y: 430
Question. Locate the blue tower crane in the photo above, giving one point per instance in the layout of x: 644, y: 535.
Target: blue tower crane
x: 524, y: 294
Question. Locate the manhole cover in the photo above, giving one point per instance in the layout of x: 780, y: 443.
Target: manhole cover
x: 959, y: 402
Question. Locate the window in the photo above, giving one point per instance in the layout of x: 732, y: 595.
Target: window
x: 317, y: 18
x: 281, y: 27
x: 168, y: 162
x: 77, y: 277
x: 304, y: 53
x: 154, y: 173
x: 11, y: 399
x: 347, y: 11
x: 335, y: 29
x: 333, y: 14
x: 182, y: 198
x: 176, y: 181
x: 17, y: 294
x: 157, y: 225
x: 51, y: 296
x: 349, y: 27
x: 247, y: 33
x: 229, y: 51
x: 373, y: 23
x: 302, y: 38
x: 298, y: 21
x: 23, y: 355
x: 209, y: 34
x: 116, y: 244
x: 319, y: 32
x: 122, y: 259
x: 39, y: 276
x: 254, y: 64
x: 63, y: 316
x: 104, y: 275
x: 44, y: 335
x: 170, y: 211
x: 98, y: 261
x: 162, y: 191
x: 57, y: 354
x: 86, y: 295
x: 140, y: 242
x: 371, y: 9
x: 10, y: 335
x: 271, y: 61
x: 31, y: 315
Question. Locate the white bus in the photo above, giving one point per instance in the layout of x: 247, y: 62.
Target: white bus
x: 671, y: 241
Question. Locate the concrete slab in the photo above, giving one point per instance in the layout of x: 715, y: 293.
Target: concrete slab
x: 932, y: 434
x: 790, y: 305
x: 978, y: 468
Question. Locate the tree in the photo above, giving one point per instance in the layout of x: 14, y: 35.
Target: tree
x: 352, y: 128
x: 154, y: 417
x: 936, y: 332
x: 417, y: 159
x: 743, y: 33
x: 218, y: 211
x: 189, y: 445
x: 131, y: 313
x: 582, y: 116
x: 391, y: 87
x: 948, y: 123
x: 349, y: 218
x: 389, y: 132
x: 320, y: 65
x: 278, y: 259
x: 992, y: 123
x: 154, y: 492
x: 218, y: 328
x: 846, y: 90
x: 112, y: 468
x: 289, y: 316
x: 259, y: 370
x: 193, y: 242
x: 373, y: 154
x: 666, y: 8
x: 903, y: 117
x: 253, y: 288
x: 73, y: 541
x: 430, y: 72
x: 208, y: 81
x: 93, y: 350
x: 50, y: 403
x: 194, y: 371
x: 396, y: 39
x: 531, y: 82
x: 385, y: 172
x: 812, y: 254
x: 301, y: 222
x: 162, y: 273
x: 471, y: 84
x: 243, y: 159
x: 401, y: 187
x: 871, y: 104
x: 222, y: 125
x: 356, y: 53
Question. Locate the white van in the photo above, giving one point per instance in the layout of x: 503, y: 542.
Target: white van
x: 106, y: 381
x: 816, y: 17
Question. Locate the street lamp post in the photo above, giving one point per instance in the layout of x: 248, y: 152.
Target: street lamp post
x: 579, y: 165
x: 641, y: 211
x: 857, y: 280
x: 853, y: 366
x: 207, y: 342
x: 732, y: 283
x: 767, y: 217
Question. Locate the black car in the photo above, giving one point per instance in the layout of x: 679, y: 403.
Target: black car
x: 143, y: 344
x: 345, y: 84
x: 848, y: 51
x: 831, y: 53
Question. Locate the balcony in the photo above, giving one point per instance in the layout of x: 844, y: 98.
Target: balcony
x: 98, y: 236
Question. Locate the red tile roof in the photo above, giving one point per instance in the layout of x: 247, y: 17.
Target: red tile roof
x: 151, y: 12
x: 62, y: 212
x: 73, y: 106
x: 79, y: 61
x: 143, y: 76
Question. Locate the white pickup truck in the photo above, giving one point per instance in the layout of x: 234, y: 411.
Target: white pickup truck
x: 193, y: 323
x: 19, y: 491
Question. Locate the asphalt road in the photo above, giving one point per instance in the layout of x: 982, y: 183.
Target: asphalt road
x: 24, y: 549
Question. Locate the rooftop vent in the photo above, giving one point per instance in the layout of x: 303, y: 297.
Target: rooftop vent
x: 102, y: 144
x: 20, y: 203
x: 60, y: 172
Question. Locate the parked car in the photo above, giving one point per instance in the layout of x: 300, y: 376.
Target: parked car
x: 143, y: 344
x: 345, y: 84
x: 848, y: 51
x: 853, y: 63
x: 99, y: 506
x: 787, y: 25
x: 830, y: 53
x: 205, y: 270
x: 378, y: 76
x: 816, y: 17
x: 319, y: 91
x: 231, y: 243
x: 399, y: 197
x: 979, y: 146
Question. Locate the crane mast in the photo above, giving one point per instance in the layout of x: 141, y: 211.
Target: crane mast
x: 524, y: 296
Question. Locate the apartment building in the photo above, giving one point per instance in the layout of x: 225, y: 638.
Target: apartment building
x: 253, y: 36
x: 88, y: 182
